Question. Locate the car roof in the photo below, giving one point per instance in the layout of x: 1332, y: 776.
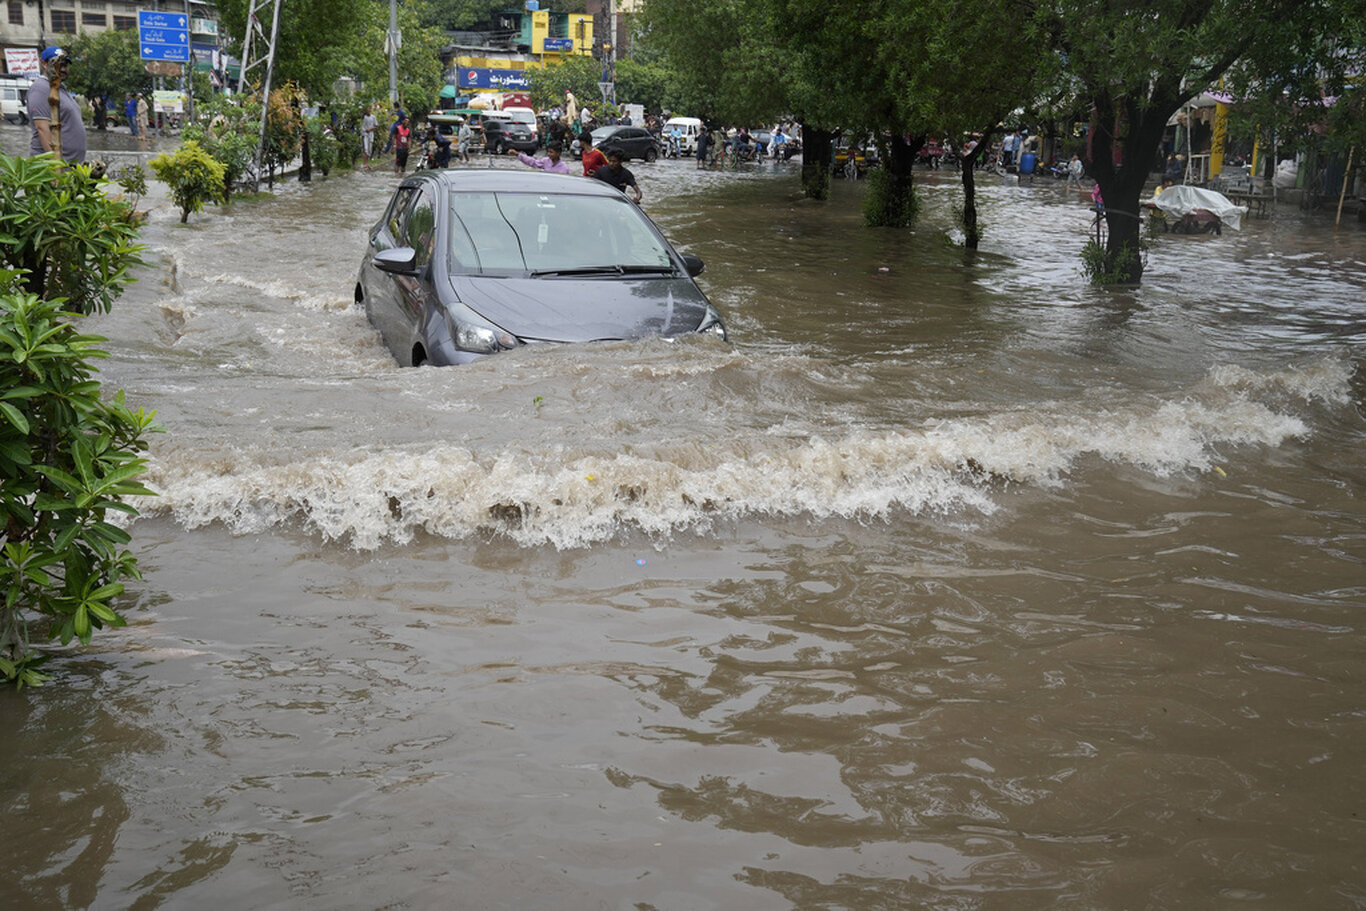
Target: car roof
x: 507, y: 180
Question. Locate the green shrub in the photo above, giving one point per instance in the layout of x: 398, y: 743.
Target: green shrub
x: 67, y: 457
x: 63, y: 235
x: 322, y: 145
x: 193, y: 176
x: 890, y: 200
x: 1101, y: 267
x: 229, y: 129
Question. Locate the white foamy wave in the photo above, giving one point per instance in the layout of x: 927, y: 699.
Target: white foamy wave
x: 572, y: 495
x: 281, y: 290
x: 1321, y: 380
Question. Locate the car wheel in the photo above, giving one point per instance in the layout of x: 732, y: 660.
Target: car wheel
x: 498, y: 148
x: 651, y: 154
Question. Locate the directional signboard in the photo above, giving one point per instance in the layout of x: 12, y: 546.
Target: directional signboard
x: 164, y: 36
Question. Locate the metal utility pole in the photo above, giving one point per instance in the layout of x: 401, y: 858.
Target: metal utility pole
x: 393, y: 40
x: 189, y: 70
x: 253, y: 55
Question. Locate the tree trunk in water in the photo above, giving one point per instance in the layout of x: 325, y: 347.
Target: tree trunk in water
x: 817, y: 146
x: 890, y: 203
x: 972, y: 236
x: 1125, y: 134
x: 972, y: 233
x: 306, y: 166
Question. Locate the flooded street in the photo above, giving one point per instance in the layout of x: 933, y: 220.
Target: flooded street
x: 951, y: 583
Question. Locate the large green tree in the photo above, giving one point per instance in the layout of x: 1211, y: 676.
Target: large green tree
x: 107, y: 62
x: 323, y: 40
x: 1311, y: 100
x: 420, y: 73
x: 577, y: 74
x: 1136, y: 66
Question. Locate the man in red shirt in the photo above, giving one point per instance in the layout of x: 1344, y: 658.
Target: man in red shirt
x: 592, y: 158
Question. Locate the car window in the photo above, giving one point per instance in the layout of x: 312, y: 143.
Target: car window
x: 515, y: 233
x: 392, y: 228
x: 419, y: 227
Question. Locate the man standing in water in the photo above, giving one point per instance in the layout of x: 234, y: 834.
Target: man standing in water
x: 592, y: 158
x: 617, y: 175
x: 551, y: 162
x: 368, y: 124
x: 70, y: 128
x: 401, y: 135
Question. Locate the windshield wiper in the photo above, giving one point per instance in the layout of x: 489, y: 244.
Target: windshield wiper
x: 606, y: 270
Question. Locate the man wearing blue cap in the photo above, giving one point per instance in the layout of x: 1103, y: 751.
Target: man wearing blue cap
x: 72, y: 130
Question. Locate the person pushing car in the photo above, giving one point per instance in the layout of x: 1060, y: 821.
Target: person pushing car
x: 617, y: 174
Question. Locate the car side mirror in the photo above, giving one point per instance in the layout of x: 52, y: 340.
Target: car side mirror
x: 396, y: 261
x: 693, y: 264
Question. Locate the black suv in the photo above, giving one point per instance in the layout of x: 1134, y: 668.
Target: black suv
x: 632, y: 142
x: 501, y: 135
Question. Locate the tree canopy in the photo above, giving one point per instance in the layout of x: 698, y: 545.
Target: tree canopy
x: 908, y: 67
x: 107, y: 62
x: 323, y: 40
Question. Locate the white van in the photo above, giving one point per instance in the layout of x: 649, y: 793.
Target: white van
x: 689, y: 127
x: 14, y: 98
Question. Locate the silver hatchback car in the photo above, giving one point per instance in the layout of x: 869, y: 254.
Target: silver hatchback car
x: 465, y: 264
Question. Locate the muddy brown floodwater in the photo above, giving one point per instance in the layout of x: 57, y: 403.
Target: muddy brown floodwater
x: 952, y: 583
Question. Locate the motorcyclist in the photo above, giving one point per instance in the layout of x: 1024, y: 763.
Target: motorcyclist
x: 438, y: 148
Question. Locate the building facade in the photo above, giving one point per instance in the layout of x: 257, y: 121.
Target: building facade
x: 496, y: 62
x: 29, y: 25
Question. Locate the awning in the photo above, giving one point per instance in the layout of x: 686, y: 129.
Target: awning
x: 448, y: 91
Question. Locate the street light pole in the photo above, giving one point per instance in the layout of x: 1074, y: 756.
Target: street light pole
x: 392, y: 41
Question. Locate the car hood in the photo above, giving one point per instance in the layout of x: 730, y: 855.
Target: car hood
x: 583, y: 310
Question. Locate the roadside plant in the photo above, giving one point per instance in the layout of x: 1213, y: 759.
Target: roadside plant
x: 322, y: 145
x: 1101, y: 267
x: 193, y: 175
x: 133, y: 183
x: 229, y: 129
x: 284, y: 129
x: 62, y: 236
x: 67, y: 458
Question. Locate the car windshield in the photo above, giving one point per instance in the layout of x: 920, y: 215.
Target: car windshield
x: 547, y: 234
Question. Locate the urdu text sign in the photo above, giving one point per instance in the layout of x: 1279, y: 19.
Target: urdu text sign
x: 164, y: 36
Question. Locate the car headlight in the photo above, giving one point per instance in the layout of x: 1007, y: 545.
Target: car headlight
x: 478, y: 339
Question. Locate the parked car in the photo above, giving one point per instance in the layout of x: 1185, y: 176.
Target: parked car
x: 14, y: 98
x: 501, y: 135
x: 632, y: 142
x: 469, y: 263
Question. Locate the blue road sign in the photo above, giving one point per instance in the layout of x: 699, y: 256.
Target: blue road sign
x: 164, y: 36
